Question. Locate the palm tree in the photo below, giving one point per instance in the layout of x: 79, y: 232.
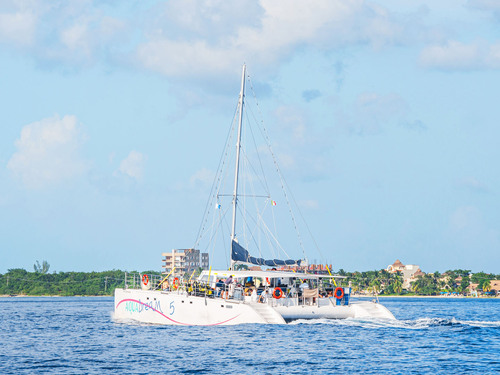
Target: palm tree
x: 486, y: 286
x: 375, y: 284
x: 240, y: 267
x: 397, y: 285
x: 44, y: 268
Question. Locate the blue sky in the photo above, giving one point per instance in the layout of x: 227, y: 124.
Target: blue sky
x: 383, y: 114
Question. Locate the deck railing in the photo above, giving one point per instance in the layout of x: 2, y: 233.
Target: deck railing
x: 291, y: 296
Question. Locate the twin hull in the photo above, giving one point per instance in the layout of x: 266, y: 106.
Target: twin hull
x: 158, y: 307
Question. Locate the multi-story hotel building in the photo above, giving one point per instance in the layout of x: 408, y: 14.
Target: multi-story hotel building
x: 184, y: 261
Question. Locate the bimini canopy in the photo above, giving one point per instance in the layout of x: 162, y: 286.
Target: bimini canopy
x: 240, y: 254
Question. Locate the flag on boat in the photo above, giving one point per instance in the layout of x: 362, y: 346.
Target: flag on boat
x: 273, y: 203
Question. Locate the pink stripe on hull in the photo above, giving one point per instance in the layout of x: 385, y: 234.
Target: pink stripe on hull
x: 175, y: 321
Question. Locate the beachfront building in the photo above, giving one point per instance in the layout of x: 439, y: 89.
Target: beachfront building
x: 409, y: 272
x: 495, y: 286
x: 184, y: 261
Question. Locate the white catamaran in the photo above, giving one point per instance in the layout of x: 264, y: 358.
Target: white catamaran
x: 283, y: 293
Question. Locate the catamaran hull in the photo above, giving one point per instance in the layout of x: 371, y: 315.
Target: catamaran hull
x: 363, y: 309
x: 179, y: 309
x: 158, y: 307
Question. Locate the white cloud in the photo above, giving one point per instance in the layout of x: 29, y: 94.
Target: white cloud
x: 203, y: 177
x: 74, y: 32
x: 133, y: 165
x: 281, y: 27
x: 48, y: 152
x: 17, y: 27
x: 455, y: 55
x: 301, y: 147
x: 75, y: 37
x: 189, y: 38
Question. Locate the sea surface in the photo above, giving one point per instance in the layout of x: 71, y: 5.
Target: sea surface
x: 77, y: 335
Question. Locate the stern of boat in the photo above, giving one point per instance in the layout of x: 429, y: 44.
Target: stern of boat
x: 368, y: 309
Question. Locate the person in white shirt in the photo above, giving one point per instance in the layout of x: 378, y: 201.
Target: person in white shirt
x: 253, y: 296
x: 304, y: 285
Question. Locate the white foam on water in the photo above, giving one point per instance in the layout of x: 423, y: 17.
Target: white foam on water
x: 416, y: 324
x: 476, y: 323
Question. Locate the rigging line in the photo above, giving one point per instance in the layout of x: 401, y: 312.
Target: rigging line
x: 252, y: 185
x: 262, y: 180
x: 268, y: 234
x: 216, y: 180
x: 213, y: 237
x: 217, y: 225
x: 266, y: 186
x: 224, y: 243
x: 229, y: 152
x: 276, y: 240
x: 256, y: 121
x: 213, y: 243
x: 211, y: 229
x: 274, y: 219
x: 279, y: 172
x: 246, y: 180
x: 260, y: 162
x: 245, y: 166
x: 245, y: 222
x: 256, y: 205
x: 271, y: 245
x: 259, y: 228
x: 307, y: 226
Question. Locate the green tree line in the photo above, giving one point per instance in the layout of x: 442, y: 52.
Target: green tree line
x: 18, y: 281
x: 384, y: 282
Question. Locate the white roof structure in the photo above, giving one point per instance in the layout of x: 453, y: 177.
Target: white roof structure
x: 265, y: 274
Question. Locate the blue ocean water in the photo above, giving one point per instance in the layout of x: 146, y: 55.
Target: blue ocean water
x: 77, y: 335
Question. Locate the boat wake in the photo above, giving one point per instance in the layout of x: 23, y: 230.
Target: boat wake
x: 416, y: 324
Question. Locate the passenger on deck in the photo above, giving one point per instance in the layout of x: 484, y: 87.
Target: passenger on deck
x: 232, y: 286
x: 264, y: 296
x: 253, y: 296
x: 219, y: 287
x: 304, y: 285
x: 227, y: 284
x: 165, y: 285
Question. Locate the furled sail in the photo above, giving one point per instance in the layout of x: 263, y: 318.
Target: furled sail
x: 240, y: 254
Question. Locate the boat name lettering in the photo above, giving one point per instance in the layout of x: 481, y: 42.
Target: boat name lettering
x: 139, y: 306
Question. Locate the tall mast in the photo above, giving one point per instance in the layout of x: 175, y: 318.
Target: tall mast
x: 238, y: 147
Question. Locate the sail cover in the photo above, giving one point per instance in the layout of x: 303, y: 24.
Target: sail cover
x: 240, y: 254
